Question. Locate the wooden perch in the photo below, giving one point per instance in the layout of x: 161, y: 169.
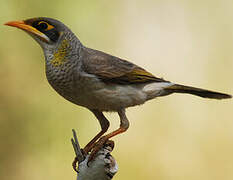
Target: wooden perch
x: 102, y: 167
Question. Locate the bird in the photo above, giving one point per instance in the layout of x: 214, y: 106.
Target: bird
x: 96, y: 80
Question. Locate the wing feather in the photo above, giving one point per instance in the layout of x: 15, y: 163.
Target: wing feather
x: 111, y: 69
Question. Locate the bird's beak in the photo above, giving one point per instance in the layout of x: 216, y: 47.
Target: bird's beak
x: 28, y: 28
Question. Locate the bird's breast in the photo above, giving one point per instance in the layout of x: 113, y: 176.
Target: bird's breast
x: 62, y: 80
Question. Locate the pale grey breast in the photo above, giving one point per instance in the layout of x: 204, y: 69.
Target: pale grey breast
x: 61, y: 65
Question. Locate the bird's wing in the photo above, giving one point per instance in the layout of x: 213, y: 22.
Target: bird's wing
x: 115, y: 70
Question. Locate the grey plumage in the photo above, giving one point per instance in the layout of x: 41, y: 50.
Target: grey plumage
x: 96, y: 80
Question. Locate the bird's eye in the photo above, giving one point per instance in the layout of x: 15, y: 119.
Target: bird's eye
x: 42, y: 25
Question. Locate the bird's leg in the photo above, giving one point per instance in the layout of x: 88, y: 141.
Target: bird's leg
x: 104, y: 123
x: 124, y: 125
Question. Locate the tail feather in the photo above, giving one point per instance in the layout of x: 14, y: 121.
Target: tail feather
x: 176, y: 88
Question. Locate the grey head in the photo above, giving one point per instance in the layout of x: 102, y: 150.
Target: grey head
x: 48, y: 32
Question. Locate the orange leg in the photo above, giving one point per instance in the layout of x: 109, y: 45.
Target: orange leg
x: 104, y: 123
x: 123, y: 127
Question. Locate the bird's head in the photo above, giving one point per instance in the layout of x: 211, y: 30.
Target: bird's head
x: 46, y: 31
x: 55, y: 38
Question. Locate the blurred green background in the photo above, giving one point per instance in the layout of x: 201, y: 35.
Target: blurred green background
x: 178, y: 137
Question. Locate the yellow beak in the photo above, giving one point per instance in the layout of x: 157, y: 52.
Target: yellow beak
x: 28, y: 28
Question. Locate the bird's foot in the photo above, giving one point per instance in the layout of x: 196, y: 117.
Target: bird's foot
x: 87, y: 149
x: 103, y: 142
x: 74, y: 164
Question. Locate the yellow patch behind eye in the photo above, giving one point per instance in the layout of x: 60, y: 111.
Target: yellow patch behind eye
x: 49, y: 26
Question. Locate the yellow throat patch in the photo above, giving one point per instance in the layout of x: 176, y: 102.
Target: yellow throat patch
x: 59, y: 57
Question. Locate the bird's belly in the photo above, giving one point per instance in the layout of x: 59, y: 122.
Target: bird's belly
x: 92, y: 93
x: 110, y: 97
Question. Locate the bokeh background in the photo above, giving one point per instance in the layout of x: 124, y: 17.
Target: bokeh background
x: 172, y: 138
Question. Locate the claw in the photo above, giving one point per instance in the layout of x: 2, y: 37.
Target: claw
x: 87, y: 149
x: 98, y: 145
x: 110, y: 144
x: 74, y: 164
x: 84, y: 152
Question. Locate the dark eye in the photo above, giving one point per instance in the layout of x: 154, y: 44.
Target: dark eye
x: 42, y: 26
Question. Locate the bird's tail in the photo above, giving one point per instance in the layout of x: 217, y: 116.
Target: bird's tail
x: 176, y: 88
